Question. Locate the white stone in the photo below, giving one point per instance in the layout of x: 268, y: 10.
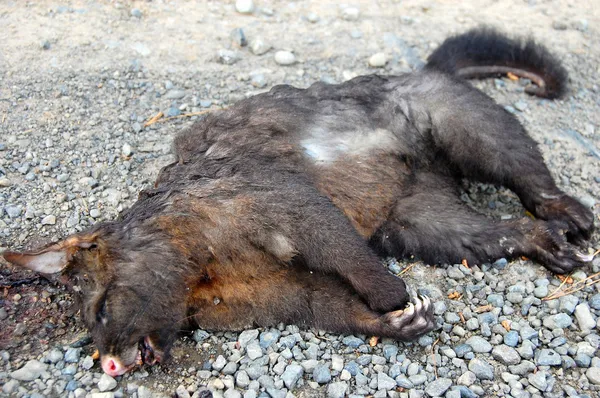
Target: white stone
x: 106, y: 383
x: 378, y: 60
x: 350, y: 13
x: 285, y: 58
x: 584, y: 317
x: 244, y: 6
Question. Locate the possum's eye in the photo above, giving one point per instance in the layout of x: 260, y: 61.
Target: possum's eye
x: 101, y: 312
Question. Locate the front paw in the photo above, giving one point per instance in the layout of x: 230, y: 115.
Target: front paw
x: 412, y: 322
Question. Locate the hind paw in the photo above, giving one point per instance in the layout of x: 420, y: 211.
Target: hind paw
x: 578, y: 219
x: 547, y: 243
x: 412, y: 322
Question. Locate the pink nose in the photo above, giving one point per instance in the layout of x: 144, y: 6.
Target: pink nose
x: 112, y: 366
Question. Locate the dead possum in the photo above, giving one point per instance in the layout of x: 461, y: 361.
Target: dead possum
x: 275, y: 209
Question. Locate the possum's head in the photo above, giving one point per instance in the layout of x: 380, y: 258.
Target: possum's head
x: 131, y: 287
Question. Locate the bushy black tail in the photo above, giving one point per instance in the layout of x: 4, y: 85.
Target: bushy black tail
x: 484, y: 52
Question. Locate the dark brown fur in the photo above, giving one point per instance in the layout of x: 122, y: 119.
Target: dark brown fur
x: 274, y: 211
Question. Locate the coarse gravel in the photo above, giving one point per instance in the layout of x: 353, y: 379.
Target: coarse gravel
x: 79, y: 80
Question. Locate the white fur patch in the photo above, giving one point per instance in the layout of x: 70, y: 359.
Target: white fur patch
x: 281, y: 247
x: 327, y: 146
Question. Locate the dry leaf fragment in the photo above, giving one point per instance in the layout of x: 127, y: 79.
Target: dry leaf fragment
x: 454, y: 295
x: 96, y: 355
x: 465, y: 263
x: 566, y: 279
x: 512, y: 76
x: 484, y: 308
x: 506, y: 324
x: 373, y: 341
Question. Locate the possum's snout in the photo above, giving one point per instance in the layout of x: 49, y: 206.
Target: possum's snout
x: 146, y: 352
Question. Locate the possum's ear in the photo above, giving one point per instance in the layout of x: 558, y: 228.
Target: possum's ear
x: 51, y: 259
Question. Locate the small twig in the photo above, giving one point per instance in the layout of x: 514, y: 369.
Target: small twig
x: 574, y: 288
x: 484, y: 308
x: 405, y: 270
x: 20, y: 282
x: 433, y: 358
x: 559, y: 286
x: 154, y: 119
x: 158, y: 117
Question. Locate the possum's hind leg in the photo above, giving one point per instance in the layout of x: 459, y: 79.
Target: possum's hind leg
x: 481, y: 140
x: 433, y: 224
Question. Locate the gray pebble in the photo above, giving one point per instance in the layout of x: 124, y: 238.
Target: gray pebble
x: 547, y: 357
x: 520, y: 105
x: 232, y: 393
x: 136, y: 12
x: 254, y: 351
x: 418, y: 379
x: 438, y: 387
x: 31, y: 371
x: 439, y: 307
x: 126, y: 150
x: 506, y: 355
x: 292, y: 374
x: 479, y: 344
x: 594, y: 301
x: 390, y: 351
x: 228, y: 57
x: 337, y: 389
x: 219, y: 363
x: 200, y: 335
x: 593, y: 375
x: 72, y: 355
x: 352, y: 341
x: 175, y: 94
x: 558, y: 321
x: 467, y: 378
x: 497, y: 300
x: 321, y: 374
x: 540, y: 291
x: 55, y: 355
x: 10, y: 387
x: 482, y: 369
x: 567, y: 303
x: 106, y: 383
x: 584, y: 317
x: 500, y: 263
x: 511, y: 338
x: 13, y: 211
x: 385, y: 382
x: 259, y: 47
x: 230, y: 368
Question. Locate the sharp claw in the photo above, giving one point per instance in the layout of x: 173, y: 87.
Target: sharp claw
x: 410, y: 309
x: 418, y: 305
x: 584, y: 258
x: 426, y: 302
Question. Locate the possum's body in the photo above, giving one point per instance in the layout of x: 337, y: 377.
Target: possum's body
x: 274, y: 210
